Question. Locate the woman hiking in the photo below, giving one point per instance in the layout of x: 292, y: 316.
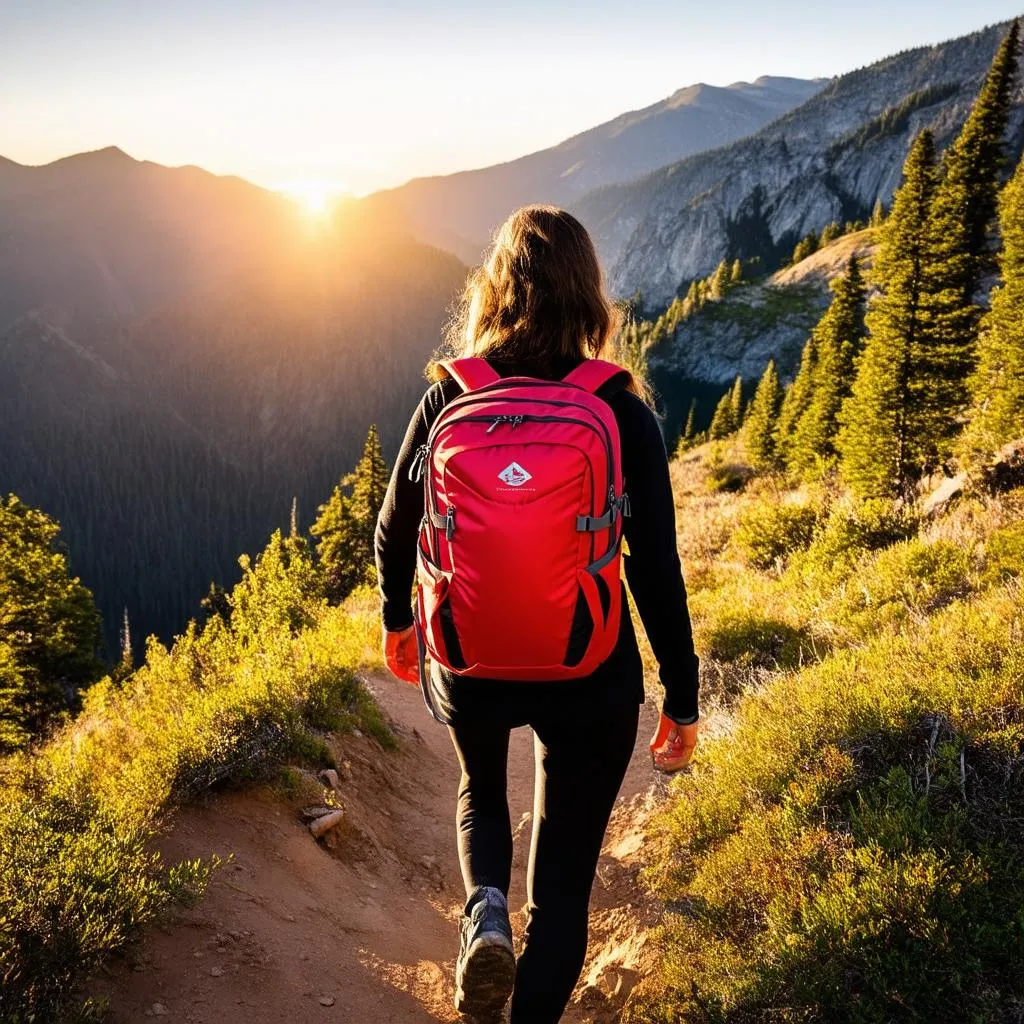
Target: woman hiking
x: 527, y: 467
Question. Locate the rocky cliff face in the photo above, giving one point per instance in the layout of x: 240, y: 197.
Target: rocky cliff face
x: 755, y: 322
x: 827, y: 160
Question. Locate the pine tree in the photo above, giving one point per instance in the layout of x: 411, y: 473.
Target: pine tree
x: 736, y: 403
x: 997, y: 385
x: 127, y: 656
x: 689, y: 434
x: 795, y: 401
x: 718, y: 283
x: 838, y: 338
x: 832, y: 231
x: 345, y: 525
x: 805, y: 247
x: 759, y: 427
x: 722, y: 423
x: 49, y: 626
x: 960, y: 255
x: 879, y: 442
x: 736, y: 274
x: 690, y: 431
x: 878, y: 214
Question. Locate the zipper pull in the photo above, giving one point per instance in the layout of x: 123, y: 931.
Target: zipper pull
x: 516, y: 420
x: 449, y: 523
x: 496, y: 421
x: 416, y: 469
x: 627, y: 509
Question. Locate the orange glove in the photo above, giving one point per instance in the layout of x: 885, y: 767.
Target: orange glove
x: 401, y: 655
x: 672, y: 745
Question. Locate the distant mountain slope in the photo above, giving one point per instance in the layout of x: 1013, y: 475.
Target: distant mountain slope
x: 459, y: 211
x: 100, y: 235
x: 180, y: 357
x: 826, y: 160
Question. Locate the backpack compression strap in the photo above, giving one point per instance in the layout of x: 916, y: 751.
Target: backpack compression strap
x: 593, y: 374
x: 472, y: 372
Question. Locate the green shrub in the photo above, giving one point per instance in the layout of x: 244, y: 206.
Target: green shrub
x: 768, y: 533
x: 852, y: 529
x: 1004, y: 555
x: 724, y: 477
x: 74, y: 884
x: 912, y: 577
x: 754, y: 641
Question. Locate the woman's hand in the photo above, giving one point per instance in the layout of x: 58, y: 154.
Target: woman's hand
x: 401, y: 654
x: 672, y: 745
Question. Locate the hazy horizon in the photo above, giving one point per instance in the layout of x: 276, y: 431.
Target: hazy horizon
x: 322, y: 98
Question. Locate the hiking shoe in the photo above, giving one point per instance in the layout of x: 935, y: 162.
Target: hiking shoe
x: 486, y: 968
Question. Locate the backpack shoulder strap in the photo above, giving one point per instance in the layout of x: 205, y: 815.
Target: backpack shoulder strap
x: 593, y: 374
x: 471, y: 373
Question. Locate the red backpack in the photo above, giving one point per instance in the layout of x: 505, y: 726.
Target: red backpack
x: 518, y: 557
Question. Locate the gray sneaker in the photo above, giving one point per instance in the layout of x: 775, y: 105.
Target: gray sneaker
x: 486, y: 968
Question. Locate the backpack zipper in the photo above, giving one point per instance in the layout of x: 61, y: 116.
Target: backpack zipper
x: 419, y: 459
x: 454, y: 406
x: 513, y: 420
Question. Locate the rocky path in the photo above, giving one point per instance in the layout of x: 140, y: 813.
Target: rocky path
x: 361, y: 927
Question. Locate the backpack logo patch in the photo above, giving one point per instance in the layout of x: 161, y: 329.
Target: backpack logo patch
x: 514, y: 475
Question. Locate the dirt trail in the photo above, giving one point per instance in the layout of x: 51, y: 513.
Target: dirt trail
x: 362, y: 930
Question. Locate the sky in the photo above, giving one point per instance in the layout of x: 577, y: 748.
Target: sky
x: 316, y: 96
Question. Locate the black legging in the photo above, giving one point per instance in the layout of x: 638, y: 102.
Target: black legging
x: 582, y: 753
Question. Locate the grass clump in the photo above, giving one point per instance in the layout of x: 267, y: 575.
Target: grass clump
x: 251, y: 689
x: 913, y: 578
x: 726, y: 477
x: 852, y: 528
x: 768, y: 532
x: 1004, y: 555
x: 746, y: 640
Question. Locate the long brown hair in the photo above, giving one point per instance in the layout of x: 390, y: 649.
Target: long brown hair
x: 538, y: 299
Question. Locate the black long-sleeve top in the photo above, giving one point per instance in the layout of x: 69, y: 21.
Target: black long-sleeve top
x: 652, y: 566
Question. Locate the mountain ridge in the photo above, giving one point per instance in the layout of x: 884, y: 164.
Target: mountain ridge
x: 460, y: 210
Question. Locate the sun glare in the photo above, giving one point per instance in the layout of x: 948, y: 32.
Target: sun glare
x: 315, y: 198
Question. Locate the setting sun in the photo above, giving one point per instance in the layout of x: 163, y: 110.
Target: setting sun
x: 316, y: 198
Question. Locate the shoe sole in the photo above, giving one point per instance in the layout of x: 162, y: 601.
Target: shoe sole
x: 488, y: 974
